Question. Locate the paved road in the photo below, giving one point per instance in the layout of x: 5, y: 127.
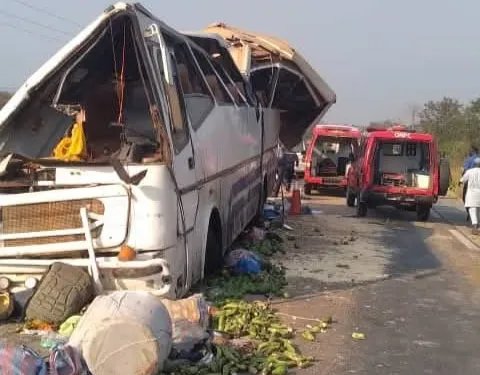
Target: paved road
x: 411, y: 287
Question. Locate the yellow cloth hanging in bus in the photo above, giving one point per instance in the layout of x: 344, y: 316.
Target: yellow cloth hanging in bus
x: 73, y: 148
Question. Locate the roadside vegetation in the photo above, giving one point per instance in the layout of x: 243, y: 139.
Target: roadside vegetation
x: 456, y: 126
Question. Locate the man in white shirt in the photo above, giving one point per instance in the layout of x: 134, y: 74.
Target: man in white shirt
x: 472, y: 197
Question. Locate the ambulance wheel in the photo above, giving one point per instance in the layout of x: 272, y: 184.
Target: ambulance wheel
x: 423, y: 212
x: 350, y: 198
x: 361, y: 207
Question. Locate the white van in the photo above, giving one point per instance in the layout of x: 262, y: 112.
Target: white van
x: 179, y: 154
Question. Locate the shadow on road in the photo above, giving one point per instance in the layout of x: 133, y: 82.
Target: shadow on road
x: 410, y: 253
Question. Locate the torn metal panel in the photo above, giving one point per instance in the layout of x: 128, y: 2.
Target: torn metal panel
x: 281, y: 78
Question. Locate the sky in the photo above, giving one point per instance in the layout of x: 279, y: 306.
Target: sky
x: 383, y: 58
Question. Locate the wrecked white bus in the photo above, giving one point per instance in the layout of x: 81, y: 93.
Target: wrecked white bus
x: 137, y: 138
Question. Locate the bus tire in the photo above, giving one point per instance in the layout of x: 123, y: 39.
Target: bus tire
x: 213, y: 250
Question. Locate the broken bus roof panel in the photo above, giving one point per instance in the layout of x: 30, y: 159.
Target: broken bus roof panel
x: 255, y: 54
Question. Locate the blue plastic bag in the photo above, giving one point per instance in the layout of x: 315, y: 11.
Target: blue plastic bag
x: 20, y: 360
x: 244, y: 261
x: 248, y: 265
x: 271, y: 215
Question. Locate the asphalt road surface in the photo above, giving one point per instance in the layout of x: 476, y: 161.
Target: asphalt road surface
x: 410, y: 287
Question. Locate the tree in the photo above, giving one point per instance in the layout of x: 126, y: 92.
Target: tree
x: 442, y: 117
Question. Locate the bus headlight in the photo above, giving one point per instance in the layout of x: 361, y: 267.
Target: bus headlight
x: 31, y: 283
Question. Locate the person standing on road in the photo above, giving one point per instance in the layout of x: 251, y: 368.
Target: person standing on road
x: 286, y: 170
x: 468, y: 164
x: 289, y: 163
x: 471, y: 179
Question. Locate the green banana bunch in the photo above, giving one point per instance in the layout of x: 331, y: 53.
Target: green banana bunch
x: 275, y: 353
x: 310, y: 332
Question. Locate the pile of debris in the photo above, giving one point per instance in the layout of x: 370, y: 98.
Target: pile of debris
x: 120, y: 332
x: 249, y: 269
x: 247, y: 338
x: 132, y: 332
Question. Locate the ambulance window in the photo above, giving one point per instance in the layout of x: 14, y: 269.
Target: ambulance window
x: 216, y: 85
x: 411, y: 149
x: 392, y: 149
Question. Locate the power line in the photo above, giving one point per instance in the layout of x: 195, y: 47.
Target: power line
x: 46, y: 11
x: 19, y: 28
x: 39, y: 24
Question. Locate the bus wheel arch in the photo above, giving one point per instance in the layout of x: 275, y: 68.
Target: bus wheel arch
x: 214, y: 246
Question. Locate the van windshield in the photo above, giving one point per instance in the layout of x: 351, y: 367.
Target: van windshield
x: 402, y: 164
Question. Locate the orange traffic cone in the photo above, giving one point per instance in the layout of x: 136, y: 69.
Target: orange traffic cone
x: 296, y: 202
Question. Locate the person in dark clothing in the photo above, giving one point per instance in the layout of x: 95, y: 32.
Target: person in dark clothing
x: 286, y: 170
x: 289, y: 161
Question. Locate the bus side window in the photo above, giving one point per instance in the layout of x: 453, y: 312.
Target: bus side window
x: 198, y: 99
x: 232, y: 87
x: 176, y: 104
x: 216, y: 85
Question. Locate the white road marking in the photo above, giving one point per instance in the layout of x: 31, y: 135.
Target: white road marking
x: 463, y: 239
